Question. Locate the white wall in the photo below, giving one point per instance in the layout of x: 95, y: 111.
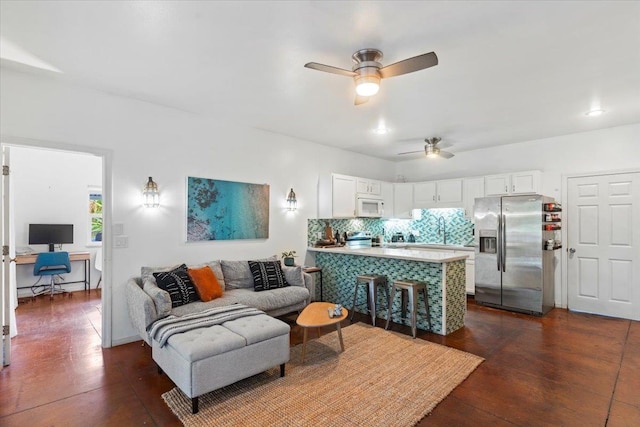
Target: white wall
x: 51, y: 187
x: 149, y: 140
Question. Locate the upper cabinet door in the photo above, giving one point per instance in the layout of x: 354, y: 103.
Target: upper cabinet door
x: 510, y: 184
x: 368, y: 187
x: 472, y: 189
x: 450, y: 191
x: 497, y: 185
x: 362, y: 186
x: 402, y: 200
x: 375, y: 188
x: 525, y: 182
x: 344, y: 196
x: 387, y: 198
x: 424, y: 195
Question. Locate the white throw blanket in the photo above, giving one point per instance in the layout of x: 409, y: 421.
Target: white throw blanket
x: 163, y: 329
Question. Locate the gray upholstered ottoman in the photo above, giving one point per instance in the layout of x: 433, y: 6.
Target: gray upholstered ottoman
x: 205, y: 359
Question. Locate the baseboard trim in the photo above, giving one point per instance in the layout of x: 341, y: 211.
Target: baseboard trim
x: 126, y: 340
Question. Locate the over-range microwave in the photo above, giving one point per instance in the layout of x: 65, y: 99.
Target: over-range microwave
x: 369, y: 207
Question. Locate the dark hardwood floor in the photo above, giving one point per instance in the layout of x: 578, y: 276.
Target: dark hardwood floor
x: 565, y: 369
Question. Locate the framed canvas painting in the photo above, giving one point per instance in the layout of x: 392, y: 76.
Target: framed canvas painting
x: 226, y: 210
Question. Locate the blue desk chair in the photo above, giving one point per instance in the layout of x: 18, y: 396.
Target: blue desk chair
x: 51, y: 264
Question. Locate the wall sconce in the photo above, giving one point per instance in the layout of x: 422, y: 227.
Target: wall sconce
x: 150, y: 194
x: 292, y: 203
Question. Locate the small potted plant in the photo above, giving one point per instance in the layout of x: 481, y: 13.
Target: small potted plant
x: 288, y: 258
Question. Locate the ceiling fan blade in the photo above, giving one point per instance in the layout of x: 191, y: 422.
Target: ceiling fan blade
x: 360, y: 100
x: 410, y: 65
x: 329, y: 69
x: 410, y: 152
x: 446, y: 154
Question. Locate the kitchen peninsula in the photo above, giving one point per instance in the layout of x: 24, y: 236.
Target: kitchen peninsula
x: 444, y: 273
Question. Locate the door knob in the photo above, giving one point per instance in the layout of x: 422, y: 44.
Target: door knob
x: 572, y: 251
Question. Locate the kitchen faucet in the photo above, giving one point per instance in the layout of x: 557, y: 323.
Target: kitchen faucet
x: 442, y: 229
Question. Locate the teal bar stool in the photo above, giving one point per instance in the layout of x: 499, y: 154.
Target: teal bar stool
x: 371, y: 282
x: 412, y: 288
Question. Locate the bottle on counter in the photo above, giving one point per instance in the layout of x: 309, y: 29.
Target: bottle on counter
x: 328, y: 232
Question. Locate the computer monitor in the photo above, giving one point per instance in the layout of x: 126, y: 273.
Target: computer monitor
x: 50, y: 234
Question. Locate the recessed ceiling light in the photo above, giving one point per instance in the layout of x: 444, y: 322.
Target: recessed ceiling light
x: 381, y: 130
x: 594, y: 112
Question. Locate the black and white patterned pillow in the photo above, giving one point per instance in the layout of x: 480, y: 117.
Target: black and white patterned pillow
x: 178, y: 284
x: 267, y: 275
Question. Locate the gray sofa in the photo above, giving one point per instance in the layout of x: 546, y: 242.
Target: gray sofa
x: 148, y: 303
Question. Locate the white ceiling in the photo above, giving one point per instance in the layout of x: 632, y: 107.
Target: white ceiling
x: 508, y: 71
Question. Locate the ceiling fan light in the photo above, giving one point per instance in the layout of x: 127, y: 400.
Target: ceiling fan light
x: 432, y: 152
x: 367, y: 85
x: 594, y: 112
x: 381, y: 130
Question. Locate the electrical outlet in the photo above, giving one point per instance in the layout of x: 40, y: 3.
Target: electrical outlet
x: 319, y: 235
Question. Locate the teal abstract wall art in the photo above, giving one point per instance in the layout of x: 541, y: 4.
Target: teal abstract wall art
x: 226, y: 210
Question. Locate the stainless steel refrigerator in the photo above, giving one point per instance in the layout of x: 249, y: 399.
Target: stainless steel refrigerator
x: 513, y: 268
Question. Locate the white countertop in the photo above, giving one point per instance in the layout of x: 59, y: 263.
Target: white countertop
x: 398, y: 253
x: 435, y: 246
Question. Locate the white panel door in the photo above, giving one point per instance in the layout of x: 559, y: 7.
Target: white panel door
x: 603, y: 233
x: 7, y: 315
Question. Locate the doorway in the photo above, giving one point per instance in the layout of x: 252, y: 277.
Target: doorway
x: 54, y: 167
x: 603, y: 236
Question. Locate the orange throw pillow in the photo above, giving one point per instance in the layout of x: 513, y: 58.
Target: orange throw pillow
x: 206, y: 283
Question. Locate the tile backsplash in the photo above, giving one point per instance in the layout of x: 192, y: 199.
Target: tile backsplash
x: 426, y: 227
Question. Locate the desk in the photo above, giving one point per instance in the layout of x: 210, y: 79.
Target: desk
x: 73, y: 256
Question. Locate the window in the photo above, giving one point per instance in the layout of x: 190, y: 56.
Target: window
x: 95, y: 216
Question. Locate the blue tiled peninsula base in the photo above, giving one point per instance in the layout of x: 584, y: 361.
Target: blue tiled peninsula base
x: 446, y: 283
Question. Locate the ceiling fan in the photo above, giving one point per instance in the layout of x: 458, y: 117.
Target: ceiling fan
x: 368, y: 71
x: 431, y: 150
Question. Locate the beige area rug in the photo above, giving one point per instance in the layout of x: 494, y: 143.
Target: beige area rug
x: 382, y: 379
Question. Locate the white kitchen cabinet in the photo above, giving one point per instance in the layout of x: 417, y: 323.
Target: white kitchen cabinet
x: 403, y: 200
x: 344, y: 196
x: 471, y: 189
x: 337, y: 196
x: 527, y: 182
x: 449, y: 192
x: 368, y: 187
x: 497, y: 185
x: 424, y: 195
x: 387, y: 198
x: 470, y: 273
x: 437, y: 194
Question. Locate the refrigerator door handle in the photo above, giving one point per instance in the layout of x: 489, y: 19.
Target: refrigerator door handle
x: 503, y: 251
x: 498, y: 243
